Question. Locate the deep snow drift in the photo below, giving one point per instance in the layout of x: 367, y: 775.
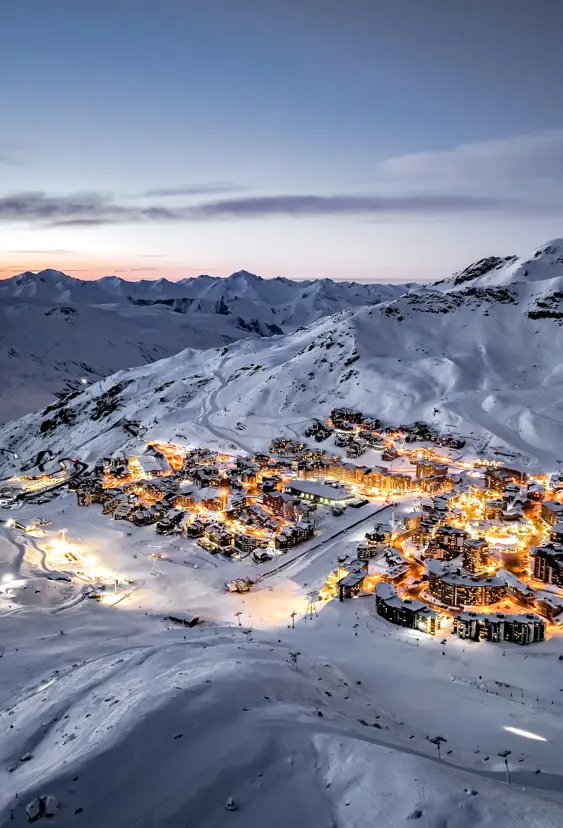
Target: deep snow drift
x: 480, y: 358
x: 56, y: 330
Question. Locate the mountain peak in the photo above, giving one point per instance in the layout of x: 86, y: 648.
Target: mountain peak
x: 52, y: 275
x: 551, y: 251
x: 246, y: 276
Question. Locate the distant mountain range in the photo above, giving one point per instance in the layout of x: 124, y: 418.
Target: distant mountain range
x: 477, y: 354
x: 56, y: 331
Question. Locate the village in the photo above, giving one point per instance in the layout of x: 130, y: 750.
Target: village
x: 466, y: 545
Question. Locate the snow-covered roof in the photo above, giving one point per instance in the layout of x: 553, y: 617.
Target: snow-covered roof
x: 320, y: 490
x: 521, y: 618
x: 461, y: 576
x: 150, y: 463
x: 353, y: 578
x: 385, y: 590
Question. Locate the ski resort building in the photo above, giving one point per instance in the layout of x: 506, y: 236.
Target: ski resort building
x: 149, y: 465
x: 548, y: 564
x: 552, y: 511
x: 447, y: 542
x: 351, y: 584
x: 406, y: 612
x: 475, y: 554
x: 497, y: 627
x: 319, y: 492
x: 458, y: 588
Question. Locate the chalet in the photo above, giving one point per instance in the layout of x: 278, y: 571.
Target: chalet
x: 258, y: 515
x: 261, y: 556
x: 285, y: 539
x: 216, y: 534
x: 210, y: 498
x: 145, y: 517
x: 303, y: 530
x: 205, y: 476
x: 355, y: 448
x: 124, y: 510
x: 290, y: 536
x: 195, y: 529
x: 285, y: 447
x: 114, y: 501
x: 345, y: 417
x: 248, y: 543
x: 236, y: 504
x: 511, y: 491
x: 367, y: 550
x: 183, y: 499
x: 170, y: 523
x: 89, y: 491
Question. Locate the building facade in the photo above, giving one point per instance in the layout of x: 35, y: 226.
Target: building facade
x: 498, y: 627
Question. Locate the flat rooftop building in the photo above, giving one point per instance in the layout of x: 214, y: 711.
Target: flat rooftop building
x: 319, y: 492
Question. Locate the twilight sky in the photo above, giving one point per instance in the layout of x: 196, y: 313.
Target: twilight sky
x: 382, y: 140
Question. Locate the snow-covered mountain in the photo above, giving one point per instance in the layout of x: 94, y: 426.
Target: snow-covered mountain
x: 56, y: 330
x: 478, y: 356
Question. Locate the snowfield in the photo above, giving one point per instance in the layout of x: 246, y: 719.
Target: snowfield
x: 128, y: 719
x: 56, y: 330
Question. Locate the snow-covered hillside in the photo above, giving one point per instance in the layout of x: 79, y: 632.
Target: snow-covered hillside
x: 480, y: 360
x: 56, y: 330
x: 117, y: 717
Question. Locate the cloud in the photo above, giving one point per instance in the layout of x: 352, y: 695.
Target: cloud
x: 524, y: 166
x: 52, y: 250
x: 191, y: 189
x: 341, y: 205
x: 425, y: 185
x: 94, y: 209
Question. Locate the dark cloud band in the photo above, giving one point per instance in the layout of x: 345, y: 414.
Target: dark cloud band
x: 92, y: 209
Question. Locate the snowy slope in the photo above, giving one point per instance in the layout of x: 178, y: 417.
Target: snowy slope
x: 55, y: 330
x: 481, y: 361
x: 131, y: 721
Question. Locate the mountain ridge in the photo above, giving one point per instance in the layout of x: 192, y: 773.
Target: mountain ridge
x: 60, y: 330
x: 477, y: 359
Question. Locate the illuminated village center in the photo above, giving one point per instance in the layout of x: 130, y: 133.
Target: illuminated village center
x: 449, y: 542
